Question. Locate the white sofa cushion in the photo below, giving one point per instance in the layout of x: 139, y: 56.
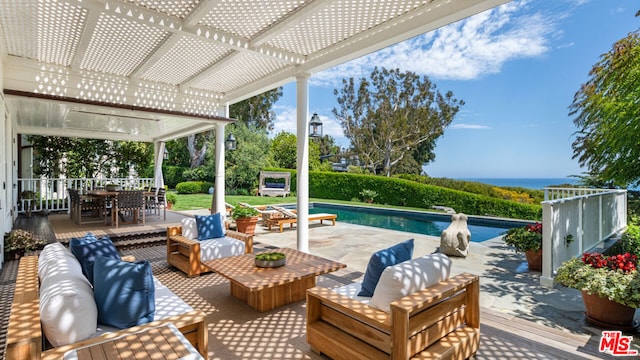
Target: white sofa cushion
x: 351, y: 291
x: 406, y: 278
x: 68, y: 310
x: 220, y: 247
x: 55, y: 259
x: 189, y: 228
x: 211, y: 249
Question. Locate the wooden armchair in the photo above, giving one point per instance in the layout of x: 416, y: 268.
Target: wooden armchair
x: 184, y: 253
x: 442, y: 321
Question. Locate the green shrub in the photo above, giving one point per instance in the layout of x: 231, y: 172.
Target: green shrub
x: 189, y: 187
x: 205, y: 186
x: 628, y: 243
x: 395, y: 191
x: 173, y: 175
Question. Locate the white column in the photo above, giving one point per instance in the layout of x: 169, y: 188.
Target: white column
x: 158, y: 150
x: 302, y: 106
x: 218, y: 201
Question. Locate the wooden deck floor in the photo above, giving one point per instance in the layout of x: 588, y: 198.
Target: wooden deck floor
x: 503, y: 336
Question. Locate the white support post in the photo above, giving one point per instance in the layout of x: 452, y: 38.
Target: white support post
x: 218, y: 200
x: 302, y: 106
x: 158, y: 150
x: 546, y: 279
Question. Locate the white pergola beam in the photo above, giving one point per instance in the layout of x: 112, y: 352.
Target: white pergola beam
x: 294, y: 18
x: 201, y: 10
x: 430, y: 17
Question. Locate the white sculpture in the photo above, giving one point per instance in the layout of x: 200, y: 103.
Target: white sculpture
x: 455, y: 239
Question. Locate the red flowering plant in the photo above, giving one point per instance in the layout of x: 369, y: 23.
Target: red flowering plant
x: 528, y: 237
x: 614, y: 277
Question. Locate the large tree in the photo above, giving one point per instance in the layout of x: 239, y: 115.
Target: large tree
x: 86, y: 158
x: 607, y: 115
x: 254, y: 112
x: 392, y: 115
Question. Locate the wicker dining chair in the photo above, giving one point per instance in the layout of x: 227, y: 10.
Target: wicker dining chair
x: 128, y: 202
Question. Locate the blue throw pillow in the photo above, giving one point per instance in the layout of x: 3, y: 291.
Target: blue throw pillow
x: 209, y: 226
x: 380, y: 260
x: 88, y: 248
x: 124, y: 292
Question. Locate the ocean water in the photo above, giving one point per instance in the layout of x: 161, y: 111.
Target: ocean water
x: 528, y: 183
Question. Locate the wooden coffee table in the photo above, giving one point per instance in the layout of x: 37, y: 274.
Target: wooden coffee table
x: 268, y: 288
x: 165, y: 342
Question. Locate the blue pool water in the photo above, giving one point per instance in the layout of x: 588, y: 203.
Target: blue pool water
x: 410, y: 221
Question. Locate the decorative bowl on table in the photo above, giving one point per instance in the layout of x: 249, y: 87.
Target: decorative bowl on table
x: 270, y: 259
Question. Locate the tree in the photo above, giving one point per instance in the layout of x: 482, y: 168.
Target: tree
x: 256, y: 112
x: 608, y: 115
x: 89, y: 157
x: 284, y: 152
x: 250, y: 156
x: 392, y: 115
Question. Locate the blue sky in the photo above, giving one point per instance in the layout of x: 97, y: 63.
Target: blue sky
x: 517, y: 67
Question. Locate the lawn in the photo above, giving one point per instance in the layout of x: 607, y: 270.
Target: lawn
x: 203, y: 201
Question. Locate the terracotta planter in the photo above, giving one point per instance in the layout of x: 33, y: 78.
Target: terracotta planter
x: 534, y: 259
x: 247, y: 225
x: 608, y: 314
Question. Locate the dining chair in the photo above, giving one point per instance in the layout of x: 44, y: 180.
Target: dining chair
x: 128, y: 202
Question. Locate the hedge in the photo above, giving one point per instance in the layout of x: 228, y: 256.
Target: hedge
x: 193, y: 187
x: 400, y: 192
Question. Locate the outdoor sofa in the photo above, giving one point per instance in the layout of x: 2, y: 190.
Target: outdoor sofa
x: 54, y: 309
x: 411, y: 315
x: 188, y: 245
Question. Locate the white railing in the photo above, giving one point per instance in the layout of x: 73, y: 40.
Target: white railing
x: 564, y: 193
x: 577, y: 223
x: 51, y: 194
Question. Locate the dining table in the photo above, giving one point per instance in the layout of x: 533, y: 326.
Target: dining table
x: 108, y: 197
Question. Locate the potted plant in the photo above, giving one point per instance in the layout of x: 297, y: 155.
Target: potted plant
x: 368, y: 195
x: 18, y: 242
x: 246, y: 219
x: 610, y: 286
x: 171, y: 198
x: 527, y: 239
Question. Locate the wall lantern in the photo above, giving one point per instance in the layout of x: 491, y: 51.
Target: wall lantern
x: 315, y: 126
x: 230, y: 143
x: 165, y: 154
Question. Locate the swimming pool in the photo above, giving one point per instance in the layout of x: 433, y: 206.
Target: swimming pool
x: 482, y: 229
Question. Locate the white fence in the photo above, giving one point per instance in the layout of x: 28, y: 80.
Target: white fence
x: 577, y: 220
x: 49, y: 195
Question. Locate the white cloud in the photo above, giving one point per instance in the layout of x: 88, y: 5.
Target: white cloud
x: 469, y: 126
x: 468, y: 49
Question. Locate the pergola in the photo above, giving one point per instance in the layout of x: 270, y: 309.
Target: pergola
x: 156, y: 70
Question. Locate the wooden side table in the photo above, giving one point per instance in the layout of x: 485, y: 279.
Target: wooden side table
x: 164, y: 342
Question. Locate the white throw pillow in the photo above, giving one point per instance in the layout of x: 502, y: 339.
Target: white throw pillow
x: 68, y: 310
x: 406, y: 278
x: 189, y: 228
x: 54, y: 260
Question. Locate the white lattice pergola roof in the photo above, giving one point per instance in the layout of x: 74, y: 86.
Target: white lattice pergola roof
x: 169, y: 67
